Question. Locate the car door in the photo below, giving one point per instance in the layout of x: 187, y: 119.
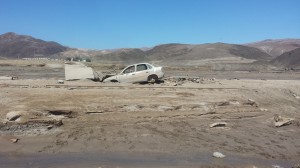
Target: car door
x: 128, y: 74
x: 142, y: 72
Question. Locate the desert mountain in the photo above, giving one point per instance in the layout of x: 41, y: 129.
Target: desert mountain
x: 20, y: 46
x: 13, y: 45
x: 289, y: 59
x: 185, y: 54
x: 276, y: 47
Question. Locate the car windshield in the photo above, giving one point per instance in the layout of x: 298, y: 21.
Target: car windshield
x: 129, y: 70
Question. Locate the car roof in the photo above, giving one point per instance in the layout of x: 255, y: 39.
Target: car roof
x: 139, y: 63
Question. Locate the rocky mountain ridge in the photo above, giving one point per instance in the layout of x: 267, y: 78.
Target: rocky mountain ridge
x: 14, y: 46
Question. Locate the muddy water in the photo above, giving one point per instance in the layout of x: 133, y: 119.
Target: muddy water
x: 114, y: 160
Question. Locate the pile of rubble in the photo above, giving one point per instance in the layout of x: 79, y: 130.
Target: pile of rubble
x: 176, y: 81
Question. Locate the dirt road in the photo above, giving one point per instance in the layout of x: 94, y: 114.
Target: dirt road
x: 153, y: 120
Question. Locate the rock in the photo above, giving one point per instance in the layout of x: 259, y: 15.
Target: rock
x: 218, y: 155
x: 218, y: 124
x: 13, y: 115
x: 276, y: 166
x: 49, y: 127
x: 252, y: 102
x: 234, y: 102
x: 263, y: 109
x: 14, y: 140
x: 282, y: 121
x: 60, y: 82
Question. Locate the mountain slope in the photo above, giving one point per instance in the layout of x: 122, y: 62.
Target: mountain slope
x: 276, y: 47
x: 288, y: 59
x: 184, y: 54
x: 21, y: 46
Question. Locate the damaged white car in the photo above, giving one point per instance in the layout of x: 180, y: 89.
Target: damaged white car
x: 137, y: 73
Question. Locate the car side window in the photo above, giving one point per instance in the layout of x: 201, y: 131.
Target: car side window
x: 129, y: 70
x: 141, y: 67
x: 149, y: 66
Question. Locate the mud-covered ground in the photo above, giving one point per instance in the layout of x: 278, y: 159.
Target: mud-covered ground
x: 91, y: 124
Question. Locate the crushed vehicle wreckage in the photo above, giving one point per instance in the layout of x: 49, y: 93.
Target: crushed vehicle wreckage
x: 136, y: 73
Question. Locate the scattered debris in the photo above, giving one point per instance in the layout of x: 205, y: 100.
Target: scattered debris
x: 218, y: 155
x: 14, y: 140
x: 176, y: 81
x: 31, y: 127
x: 218, y: 124
x: 282, y: 121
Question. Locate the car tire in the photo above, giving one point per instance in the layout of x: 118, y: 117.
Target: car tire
x: 152, y: 78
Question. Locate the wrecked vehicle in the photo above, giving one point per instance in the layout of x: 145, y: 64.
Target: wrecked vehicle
x: 137, y: 73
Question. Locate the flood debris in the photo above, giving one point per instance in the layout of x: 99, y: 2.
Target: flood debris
x: 218, y: 155
x: 282, y: 121
x: 78, y: 71
x: 178, y: 80
x: 218, y: 124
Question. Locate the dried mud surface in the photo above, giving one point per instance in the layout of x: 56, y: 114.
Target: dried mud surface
x: 154, y: 121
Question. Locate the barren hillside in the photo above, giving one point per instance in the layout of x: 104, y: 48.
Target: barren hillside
x: 185, y: 54
x: 276, y: 47
x: 288, y: 59
x: 20, y: 46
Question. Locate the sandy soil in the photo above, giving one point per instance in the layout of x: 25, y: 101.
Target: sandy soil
x: 89, y: 124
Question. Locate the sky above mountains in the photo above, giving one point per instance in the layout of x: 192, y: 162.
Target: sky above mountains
x: 103, y: 24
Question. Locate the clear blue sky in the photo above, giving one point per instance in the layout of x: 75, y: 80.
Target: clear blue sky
x: 104, y: 24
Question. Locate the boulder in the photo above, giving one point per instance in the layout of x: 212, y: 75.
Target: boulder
x: 218, y: 124
x: 14, y: 140
x: 282, y: 121
x: 13, y: 115
x: 218, y: 155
